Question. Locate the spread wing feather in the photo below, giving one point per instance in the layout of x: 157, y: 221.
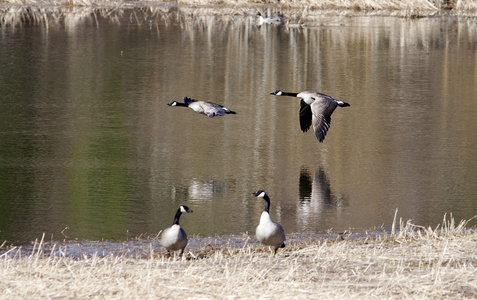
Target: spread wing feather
x: 322, y: 111
x: 212, y: 109
x: 305, y: 116
x: 188, y: 100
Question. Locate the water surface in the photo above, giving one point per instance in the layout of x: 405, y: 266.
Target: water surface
x: 90, y: 150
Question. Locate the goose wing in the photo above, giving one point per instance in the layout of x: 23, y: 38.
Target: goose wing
x: 281, y: 233
x: 305, y: 116
x: 322, y: 109
x: 188, y: 100
x: 212, y: 109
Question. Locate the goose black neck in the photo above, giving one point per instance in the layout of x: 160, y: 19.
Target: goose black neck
x: 182, y: 104
x: 267, y: 203
x: 289, y: 94
x: 177, y: 217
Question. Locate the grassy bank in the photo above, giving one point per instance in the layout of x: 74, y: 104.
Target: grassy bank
x: 14, y: 13
x: 411, y: 262
x: 407, y: 8
x: 311, y: 4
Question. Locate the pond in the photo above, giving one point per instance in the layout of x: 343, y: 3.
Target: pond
x: 89, y: 150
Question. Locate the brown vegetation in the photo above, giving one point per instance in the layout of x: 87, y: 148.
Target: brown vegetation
x: 406, y: 8
x: 410, y: 262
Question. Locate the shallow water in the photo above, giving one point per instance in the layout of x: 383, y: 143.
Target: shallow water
x: 90, y: 151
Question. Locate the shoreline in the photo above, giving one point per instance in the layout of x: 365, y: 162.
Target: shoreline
x: 413, y: 262
x: 287, y: 9
x: 54, y: 15
x: 142, y: 245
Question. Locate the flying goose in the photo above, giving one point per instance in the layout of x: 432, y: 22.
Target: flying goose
x: 203, y: 107
x: 268, y: 232
x: 315, y: 108
x: 174, y: 238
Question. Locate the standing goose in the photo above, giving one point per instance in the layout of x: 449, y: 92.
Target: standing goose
x: 268, y: 232
x: 315, y: 108
x: 203, y: 107
x: 174, y: 238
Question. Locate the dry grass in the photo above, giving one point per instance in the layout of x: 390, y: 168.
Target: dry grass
x: 356, y: 5
x: 411, y: 262
x: 408, y: 8
x: 76, y: 12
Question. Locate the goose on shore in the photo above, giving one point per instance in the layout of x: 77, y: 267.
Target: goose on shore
x: 203, y: 107
x: 315, y: 108
x: 174, y: 238
x: 269, y: 233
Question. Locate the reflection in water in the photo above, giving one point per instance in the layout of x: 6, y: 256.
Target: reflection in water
x: 316, y: 201
x: 201, y: 190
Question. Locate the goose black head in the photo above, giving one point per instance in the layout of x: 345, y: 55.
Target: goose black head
x: 184, y: 209
x: 173, y: 103
x: 277, y: 93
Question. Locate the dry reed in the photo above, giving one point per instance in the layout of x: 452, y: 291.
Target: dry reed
x: 410, y: 262
x: 406, y: 8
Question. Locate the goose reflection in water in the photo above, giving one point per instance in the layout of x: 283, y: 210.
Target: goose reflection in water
x: 198, y: 189
x: 315, y: 196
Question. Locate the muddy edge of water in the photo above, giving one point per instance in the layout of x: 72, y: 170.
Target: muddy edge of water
x: 143, y: 247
